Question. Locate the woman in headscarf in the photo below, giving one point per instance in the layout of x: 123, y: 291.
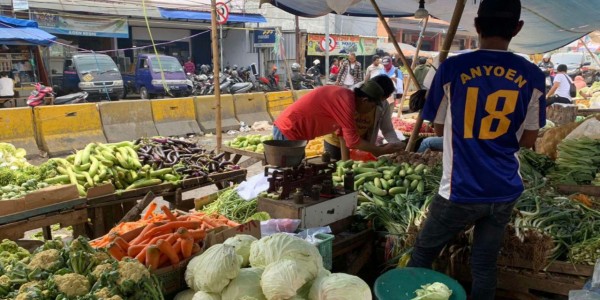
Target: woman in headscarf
x: 396, y: 75
x: 579, y: 82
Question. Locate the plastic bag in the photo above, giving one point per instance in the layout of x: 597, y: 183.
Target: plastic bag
x: 310, y: 234
x: 279, y: 225
x: 589, y: 128
x: 356, y: 154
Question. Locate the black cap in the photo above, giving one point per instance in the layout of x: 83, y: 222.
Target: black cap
x: 508, y: 9
x: 378, y: 88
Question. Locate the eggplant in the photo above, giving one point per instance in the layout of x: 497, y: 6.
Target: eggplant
x: 160, y: 140
x: 219, y: 156
x: 225, y: 163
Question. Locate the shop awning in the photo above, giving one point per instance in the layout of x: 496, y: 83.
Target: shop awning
x: 205, y: 16
x: 548, y: 24
x: 23, y: 32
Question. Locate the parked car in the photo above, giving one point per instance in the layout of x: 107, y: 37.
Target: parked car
x: 578, y: 63
x: 95, y: 74
x: 146, y: 79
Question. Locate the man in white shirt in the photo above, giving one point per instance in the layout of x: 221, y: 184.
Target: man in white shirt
x: 559, y: 92
x: 351, y: 72
x: 6, y: 86
x: 374, y: 69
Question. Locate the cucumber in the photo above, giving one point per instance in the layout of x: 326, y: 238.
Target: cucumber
x: 414, y: 184
x: 379, y: 202
x: 377, y: 182
x: 387, y: 172
x: 384, y: 184
x: 370, y: 165
x: 421, y: 187
x: 338, y: 179
x: 391, y: 182
x: 58, y: 179
x: 340, y: 171
x: 406, y: 183
x: 387, y: 176
x: 347, y: 164
x: 361, y: 170
x: 409, y: 171
x: 359, y: 182
x: 397, y: 190
x: 374, y: 190
x: 414, y: 177
x: 399, y: 182
x: 83, y: 167
x: 369, y: 175
x: 143, y: 183
x: 402, y: 173
x: 419, y: 168
x: 362, y: 199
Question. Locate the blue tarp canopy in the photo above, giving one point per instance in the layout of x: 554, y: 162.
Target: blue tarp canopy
x: 205, y: 16
x: 23, y: 32
x: 548, y: 24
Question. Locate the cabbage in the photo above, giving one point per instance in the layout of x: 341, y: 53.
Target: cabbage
x: 339, y: 286
x: 185, y: 295
x: 284, y: 246
x: 212, y: 270
x: 242, y: 243
x: 434, y: 291
x: 283, y: 279
x: 206, y: 296
x: 246, y: 284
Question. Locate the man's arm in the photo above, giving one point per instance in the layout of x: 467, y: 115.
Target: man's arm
x: 379, y: 150
x: 528, y: 138
x: 553, y: 88
x: 387, y: 128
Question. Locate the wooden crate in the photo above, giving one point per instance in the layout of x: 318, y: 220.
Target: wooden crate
x: 590, y: 190
x: 253, y: 157
x: 76, y: 217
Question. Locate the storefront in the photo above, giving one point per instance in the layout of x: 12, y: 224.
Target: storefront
x: 339, y: 47
x: 180, y: 49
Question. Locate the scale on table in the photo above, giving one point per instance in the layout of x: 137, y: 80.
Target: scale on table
x: 304, y: 187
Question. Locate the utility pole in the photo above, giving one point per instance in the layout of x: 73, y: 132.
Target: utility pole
x: 216, y: 69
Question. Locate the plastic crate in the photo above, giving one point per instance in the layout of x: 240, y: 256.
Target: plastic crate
x: 325, y: 247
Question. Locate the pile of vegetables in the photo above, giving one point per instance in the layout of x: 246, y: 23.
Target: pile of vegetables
x: 428, y: 158
x: 578, y: 161
x: 231, y: 205
x: 434, y: 291
x: 251, y: 143
x: 117, y: 164
x: 187, y: 158
x: 161, y: 244
x: 74, y: 271
x: 17, y: 176
x: 279, y: 266
x: 407, y: 126
x: 314, y: 147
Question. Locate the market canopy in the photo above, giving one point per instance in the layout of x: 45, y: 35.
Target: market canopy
x: 23, y: 32
x: 205, y: 16
x: 548, y: 24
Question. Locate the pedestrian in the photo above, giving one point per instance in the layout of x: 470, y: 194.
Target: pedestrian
x: 189, y: 67
x: 484, y: 118
x: 374, y: 69
x: 310, y: 117
x: 579, y: 82
x: 6, y: 86
x: 334, y: 70
x: 421, y: 71
x: 396, y: 75
x: 559, y: 92
x: 351, y: 72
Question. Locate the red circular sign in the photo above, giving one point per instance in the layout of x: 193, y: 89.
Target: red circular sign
x: 222, y: 13
x: 332, y: 43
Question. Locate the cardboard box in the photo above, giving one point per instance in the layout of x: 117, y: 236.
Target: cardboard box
x: 39, y: 199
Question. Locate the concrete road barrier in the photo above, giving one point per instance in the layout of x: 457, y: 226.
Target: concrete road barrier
x: 17, y: 128
x: 127, y: 120
x: 175, y: 117
x: 206, y: 107
x: 251, y: 108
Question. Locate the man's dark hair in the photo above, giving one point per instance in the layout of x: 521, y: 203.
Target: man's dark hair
x: 375, y: 57
x: 561, y: 68
x: 422, y: 60
x: 498, y: 18
x: 496, y: 27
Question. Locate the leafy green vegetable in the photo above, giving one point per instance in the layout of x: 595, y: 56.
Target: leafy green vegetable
x: 232, y: 206
x: 434, y: 291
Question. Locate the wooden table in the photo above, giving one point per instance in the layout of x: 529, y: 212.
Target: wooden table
x: 357, y: 248
x: 253, y: 157
x: 76, y: 217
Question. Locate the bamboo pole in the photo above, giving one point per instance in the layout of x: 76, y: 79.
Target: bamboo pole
x: 411, y: 74
x: 416, y: 56
x: 456, y: 16
x: 590, y: 52
x: 216, y: 70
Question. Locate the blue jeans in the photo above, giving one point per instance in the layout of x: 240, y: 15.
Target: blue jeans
x: 278, y: 135
x: 446, y: 219
x: 433, y: 143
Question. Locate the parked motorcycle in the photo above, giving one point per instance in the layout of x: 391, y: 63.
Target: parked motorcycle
x: 80, y: 97
x: 232, y: 85
x: 36, y: 97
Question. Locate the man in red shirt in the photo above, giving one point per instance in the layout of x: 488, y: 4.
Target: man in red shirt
x: 331, y: 108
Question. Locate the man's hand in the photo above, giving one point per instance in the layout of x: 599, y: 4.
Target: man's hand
x: 391, y: 148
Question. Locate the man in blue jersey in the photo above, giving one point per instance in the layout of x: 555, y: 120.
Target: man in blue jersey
x: 486, y: 104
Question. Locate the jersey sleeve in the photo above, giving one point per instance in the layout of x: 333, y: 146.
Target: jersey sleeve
x: 437, y: 101
x: 536, y: 110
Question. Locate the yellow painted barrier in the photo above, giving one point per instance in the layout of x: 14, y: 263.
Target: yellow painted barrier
x: 175, y: 117
x: 277, y: 102
x: 251, y: 108
x: 206, y: 107
x: 127, y: 120
x: 301, y: 93
x: 62, y: 128
x: 17, y: 128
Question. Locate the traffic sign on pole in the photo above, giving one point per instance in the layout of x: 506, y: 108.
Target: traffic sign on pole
x: 332, y: 43
x: 222, y: 13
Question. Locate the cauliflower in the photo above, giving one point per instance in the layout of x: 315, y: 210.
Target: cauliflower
x: 10, y: 253
x: 101, y: 269
x: 4, y: 281
x: 132, y: 270
x: 106, y: 294
x: 30, y: 286
x: 47, y: 260
x: 72, y: 285
x: 101, y: 256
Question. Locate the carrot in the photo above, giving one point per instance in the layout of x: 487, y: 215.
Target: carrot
x: 187, y: 245
x: 116, y: 251
x: 182, y: 233
x: 197, y: 234
x: 172, y: 239
x: 112, y: 236
x: 134, y: 250
x: 168, y: 213
x: 141, y: 257
x: 143, y: 233
x: 122, y: 243
x: 210, y: 222
x: 168, y: 250
x: 195, y: 248
x: 174, y: 225
x: 152, y: 257
x: 150, y: 211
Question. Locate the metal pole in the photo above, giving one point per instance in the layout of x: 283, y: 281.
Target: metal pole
x: 288, y: 73
x: 327, y: 47
x: 458, y: 11
x: 416, y: 56
x: 298, y: 56
x: 216, y: 68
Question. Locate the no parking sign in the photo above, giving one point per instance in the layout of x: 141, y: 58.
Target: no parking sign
x: 222, y: 13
